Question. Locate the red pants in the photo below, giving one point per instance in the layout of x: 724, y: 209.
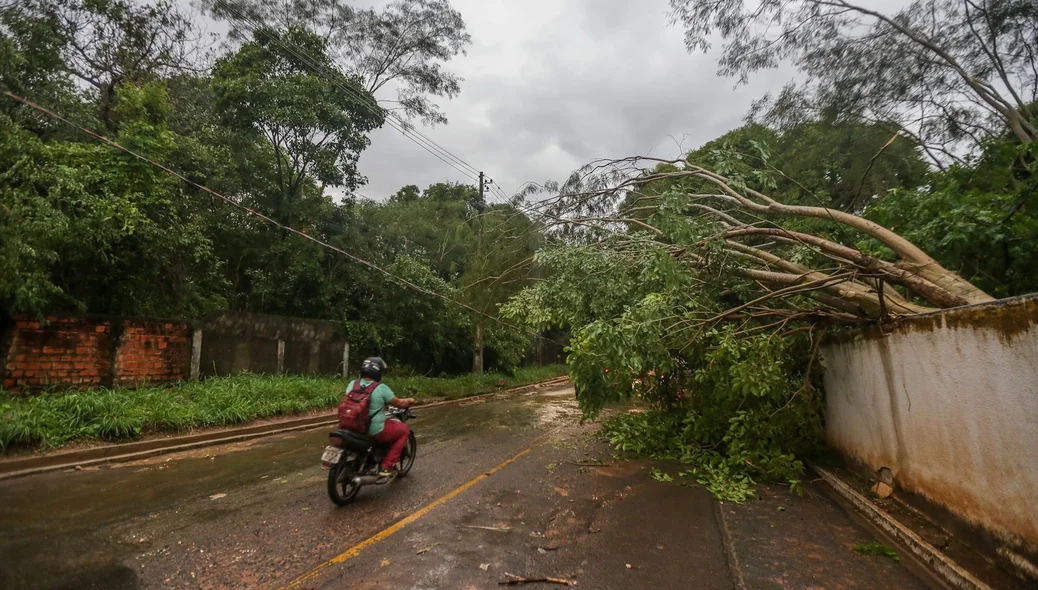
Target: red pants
x: 394, y: 434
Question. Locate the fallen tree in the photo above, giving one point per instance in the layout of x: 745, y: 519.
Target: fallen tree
x: 749, y: 227
x: 705, y: 297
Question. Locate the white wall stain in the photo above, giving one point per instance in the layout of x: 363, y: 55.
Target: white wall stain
x: 950, y: 404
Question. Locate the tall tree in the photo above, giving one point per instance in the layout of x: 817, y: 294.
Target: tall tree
x: 316, y: 123
x: 105, y: 44
x: 401, y: 49
x: 948, y: 72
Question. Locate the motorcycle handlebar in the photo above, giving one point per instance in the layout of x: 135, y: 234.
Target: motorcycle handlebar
x: 403, y: 412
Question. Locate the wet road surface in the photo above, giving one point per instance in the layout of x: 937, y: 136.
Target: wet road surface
x: 256, y: 514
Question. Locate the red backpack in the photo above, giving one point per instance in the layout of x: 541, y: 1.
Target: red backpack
x: 355, y: 408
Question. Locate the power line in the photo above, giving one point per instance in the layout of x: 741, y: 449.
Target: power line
x: 426, y: 143
x: 368, y: 101
x: 391, y: 118
x: 265, y: 218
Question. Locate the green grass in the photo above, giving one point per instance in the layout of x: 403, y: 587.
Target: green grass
x: 877, y: 549
x: 53, y: 419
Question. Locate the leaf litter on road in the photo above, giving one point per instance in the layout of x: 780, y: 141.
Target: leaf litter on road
x: 877, y: 549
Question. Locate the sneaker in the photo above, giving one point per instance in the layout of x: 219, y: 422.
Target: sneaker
x: 387, y: 472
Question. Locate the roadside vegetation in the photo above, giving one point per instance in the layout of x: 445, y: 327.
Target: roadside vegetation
x: 705, y: 284
x: 53, y: 419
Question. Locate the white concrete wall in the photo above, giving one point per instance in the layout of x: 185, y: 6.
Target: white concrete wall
x: 949, y: 402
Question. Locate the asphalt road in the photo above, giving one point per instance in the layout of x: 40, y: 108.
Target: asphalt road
x: 503, y: 488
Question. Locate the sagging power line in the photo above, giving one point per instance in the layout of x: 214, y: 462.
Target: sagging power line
x: 392, y: 119
x: 396, y: 278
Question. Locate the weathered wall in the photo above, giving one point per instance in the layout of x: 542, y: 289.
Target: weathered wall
x: 949, y: 402
x: 236, y: 341
x: 83, y: 352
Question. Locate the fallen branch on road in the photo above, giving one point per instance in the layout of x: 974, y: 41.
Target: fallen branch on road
x: 517, y: 580
x: 589, y: 463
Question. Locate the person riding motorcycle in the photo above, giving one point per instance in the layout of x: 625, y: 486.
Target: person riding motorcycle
x: 392, y: 433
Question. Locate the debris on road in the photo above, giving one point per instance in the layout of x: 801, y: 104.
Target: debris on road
x: 517, y: 580
x: 421, y: 551
x: 496, y: 529
x: 484, y: 566
x: 882, y: 490
x: 877, y: 549
x: 217, y: 496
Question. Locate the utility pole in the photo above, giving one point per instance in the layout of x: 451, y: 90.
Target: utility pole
x: 482, y: 186
x: 477, y: 337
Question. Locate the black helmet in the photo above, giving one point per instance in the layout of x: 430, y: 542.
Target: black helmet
x: 372, y: 368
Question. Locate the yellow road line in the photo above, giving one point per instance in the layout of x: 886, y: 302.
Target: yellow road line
x: 356, y: 549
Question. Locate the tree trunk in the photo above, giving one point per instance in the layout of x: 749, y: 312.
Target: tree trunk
x: 477, y: 348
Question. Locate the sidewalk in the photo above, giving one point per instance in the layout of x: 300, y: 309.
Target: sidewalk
x: 781, y: 540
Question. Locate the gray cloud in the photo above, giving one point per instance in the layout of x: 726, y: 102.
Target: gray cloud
x: 552, y: 84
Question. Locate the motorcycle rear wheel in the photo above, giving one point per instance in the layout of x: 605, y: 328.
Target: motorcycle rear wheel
x: 341, y: 487
x: 407, y: 456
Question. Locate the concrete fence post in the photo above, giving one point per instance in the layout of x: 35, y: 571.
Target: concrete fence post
x: 281, y: 357
x: 195, y: 370
x: 314, y: 364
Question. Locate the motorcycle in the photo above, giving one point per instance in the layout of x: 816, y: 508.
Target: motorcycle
x: 353, y: 459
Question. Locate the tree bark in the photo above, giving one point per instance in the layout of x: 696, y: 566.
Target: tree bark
x: 915, y: 260
x: 925, y: 289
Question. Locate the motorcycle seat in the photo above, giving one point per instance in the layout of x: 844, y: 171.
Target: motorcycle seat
x: 355, y: 439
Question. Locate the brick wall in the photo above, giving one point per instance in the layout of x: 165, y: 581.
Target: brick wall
x: 155, y: 352
x: 84, y: 352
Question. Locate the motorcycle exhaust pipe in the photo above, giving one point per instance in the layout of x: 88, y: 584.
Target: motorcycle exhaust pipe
x: 367, y: 480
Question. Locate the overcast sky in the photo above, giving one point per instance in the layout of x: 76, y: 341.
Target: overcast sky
x: 551, y: 84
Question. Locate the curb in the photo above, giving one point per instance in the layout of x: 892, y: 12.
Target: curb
x: 939, y: 563
x: 133, y: 451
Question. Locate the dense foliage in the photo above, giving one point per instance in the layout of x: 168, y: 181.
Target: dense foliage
x: 897, y: 178
x: 735, y: 407
x: 275, y: 117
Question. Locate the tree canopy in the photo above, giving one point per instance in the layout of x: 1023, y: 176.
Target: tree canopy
x: 401, y: 48
x: 948, y: 73
x: 274, y: 122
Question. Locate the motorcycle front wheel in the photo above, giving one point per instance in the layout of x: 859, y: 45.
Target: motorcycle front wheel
x: 341, y: 487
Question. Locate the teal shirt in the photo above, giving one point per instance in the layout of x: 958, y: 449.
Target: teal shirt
x: 379, y: 404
